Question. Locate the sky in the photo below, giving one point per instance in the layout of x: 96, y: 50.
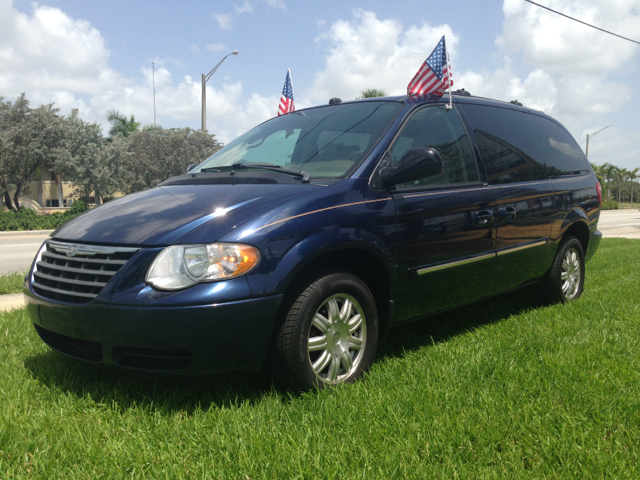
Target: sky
x: 97, y: 56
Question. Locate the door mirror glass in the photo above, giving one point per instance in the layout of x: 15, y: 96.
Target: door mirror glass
x: 415, y: 164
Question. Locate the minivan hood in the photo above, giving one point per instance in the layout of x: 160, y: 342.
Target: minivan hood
x: 164, y: 215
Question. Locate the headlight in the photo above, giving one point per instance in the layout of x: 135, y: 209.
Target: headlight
x: 181, y: 266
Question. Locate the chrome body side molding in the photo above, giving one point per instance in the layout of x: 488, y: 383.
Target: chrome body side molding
x: 478, y: 258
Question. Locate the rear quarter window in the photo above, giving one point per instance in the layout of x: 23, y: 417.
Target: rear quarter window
x: 507, y: 146
x: 563, y: 155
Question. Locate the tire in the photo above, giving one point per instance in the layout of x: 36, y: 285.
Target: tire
x: 565, y: 280
x: 329, y: 335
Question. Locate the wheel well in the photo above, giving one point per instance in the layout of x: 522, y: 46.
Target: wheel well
x: 361, y: 263
x: 581, y: 232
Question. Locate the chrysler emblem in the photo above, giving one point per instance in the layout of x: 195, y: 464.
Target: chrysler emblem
x: 72, y: 250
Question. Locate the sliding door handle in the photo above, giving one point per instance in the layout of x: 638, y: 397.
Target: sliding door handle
x: 483, y: 218
x: 507, y: 212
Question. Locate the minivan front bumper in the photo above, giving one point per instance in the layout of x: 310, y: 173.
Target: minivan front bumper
x: 186, y: 340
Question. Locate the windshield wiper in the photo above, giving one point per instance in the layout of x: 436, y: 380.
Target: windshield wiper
x: 304, y: 176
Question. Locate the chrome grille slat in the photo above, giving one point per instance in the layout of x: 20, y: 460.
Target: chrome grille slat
x: 86, y: 271
x: 66, y: 292
x: 69, y: 280
x: 77, y: 273
x: 81, y: 259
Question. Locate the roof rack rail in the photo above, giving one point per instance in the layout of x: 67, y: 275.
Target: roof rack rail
x: 516, y: 102
x: 462, y: 92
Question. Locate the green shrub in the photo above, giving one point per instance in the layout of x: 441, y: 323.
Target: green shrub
x: 610, y: 205
x: 27, y: 219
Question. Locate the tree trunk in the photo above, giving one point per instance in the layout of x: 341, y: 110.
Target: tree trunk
x: 631, y: 194
x: 7, y: 200
x: 619, y: 192
x: 16, y: 196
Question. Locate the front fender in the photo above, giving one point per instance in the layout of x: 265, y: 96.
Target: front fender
x: 300, y: 254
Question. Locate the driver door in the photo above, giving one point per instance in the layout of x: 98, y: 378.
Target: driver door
x: 445, y: 222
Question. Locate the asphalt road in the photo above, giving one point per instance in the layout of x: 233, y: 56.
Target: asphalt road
x: 620, y: 223
x: 17, y: 250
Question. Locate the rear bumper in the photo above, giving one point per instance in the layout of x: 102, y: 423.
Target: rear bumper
x: 187, y: 340
x: 595, y: 236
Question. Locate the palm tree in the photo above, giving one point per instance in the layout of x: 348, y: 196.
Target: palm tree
x: 621, y: 176
x: 632, y: 176
x: 598, y: 171
x: 373, y: 92
x: 120, y: 124
x: 609, y: 170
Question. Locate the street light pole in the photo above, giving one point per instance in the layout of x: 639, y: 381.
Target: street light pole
x: 589, y: 135
x: 205, y: 79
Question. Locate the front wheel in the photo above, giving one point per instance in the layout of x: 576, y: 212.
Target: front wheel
x: 329, y: 335
x: 565, y: 279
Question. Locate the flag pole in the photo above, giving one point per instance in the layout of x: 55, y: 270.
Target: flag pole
x: 449, y: 80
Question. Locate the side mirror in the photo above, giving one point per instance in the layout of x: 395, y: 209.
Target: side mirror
x: 191, y: 167
x: 415, y: 164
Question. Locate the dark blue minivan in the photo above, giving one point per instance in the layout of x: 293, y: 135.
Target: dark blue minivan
x: 307, y: 238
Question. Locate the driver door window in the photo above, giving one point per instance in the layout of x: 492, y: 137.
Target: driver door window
x: 441, y: 129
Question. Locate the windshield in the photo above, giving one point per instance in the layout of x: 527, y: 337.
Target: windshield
x: 324, y: 142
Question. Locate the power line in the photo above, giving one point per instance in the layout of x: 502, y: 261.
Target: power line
x: 584, y: 23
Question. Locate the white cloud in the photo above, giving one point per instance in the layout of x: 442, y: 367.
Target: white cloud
x: 246, y: 7
x: 372, y: 53
x: 216, y: 47
x: 536, y: 91
x: 225, y: 20
x: 49, y: 51
x: 279, y: 4
x: 194, y: 48
x: 559, y: 45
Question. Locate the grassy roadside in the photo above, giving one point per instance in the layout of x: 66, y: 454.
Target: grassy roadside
x: 500, y: 389
x: 11, y: 282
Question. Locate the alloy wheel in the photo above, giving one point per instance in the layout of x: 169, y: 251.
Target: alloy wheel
x: 570, y: 273
x: 336, y: 339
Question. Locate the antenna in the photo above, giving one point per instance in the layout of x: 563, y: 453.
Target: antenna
x: 153, y: 67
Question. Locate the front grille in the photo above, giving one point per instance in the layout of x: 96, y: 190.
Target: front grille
x: 76, y: 273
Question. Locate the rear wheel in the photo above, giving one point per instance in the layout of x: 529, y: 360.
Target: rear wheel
x: 565, y: 279
x: 329, y: 335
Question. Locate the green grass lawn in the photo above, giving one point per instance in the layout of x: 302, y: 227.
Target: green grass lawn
x: 11, y: 282
x: 500, y: 389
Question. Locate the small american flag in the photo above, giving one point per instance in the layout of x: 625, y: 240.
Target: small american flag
x: 434, y: 75
x: 286, y: 100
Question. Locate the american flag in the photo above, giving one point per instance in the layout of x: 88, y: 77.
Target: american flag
x: 286, y: 100
x: 434, y: 75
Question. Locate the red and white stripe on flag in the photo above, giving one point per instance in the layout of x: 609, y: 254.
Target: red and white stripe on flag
x: 425, y: 81
x: 434, y: 75
x: 286, y: 105
x: 286, y: 100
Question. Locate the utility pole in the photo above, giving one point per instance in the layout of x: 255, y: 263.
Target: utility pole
x: 205, y: 79
x: 589, y: 135
x: 154, y: 93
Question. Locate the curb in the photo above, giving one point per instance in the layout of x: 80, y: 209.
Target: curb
x: 25, y: 232
x: 11, y: 301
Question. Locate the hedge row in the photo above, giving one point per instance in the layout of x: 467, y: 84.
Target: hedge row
x: 27, y: 219
x: 610, y: 205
